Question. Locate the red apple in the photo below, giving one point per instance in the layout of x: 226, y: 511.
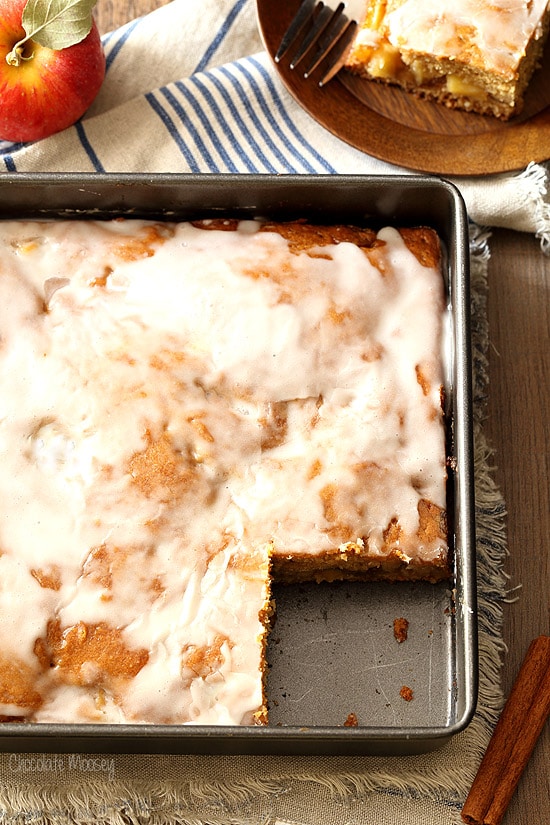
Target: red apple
x: 49, y: 89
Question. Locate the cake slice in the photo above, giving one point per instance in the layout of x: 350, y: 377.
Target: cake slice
x: 474, y: 55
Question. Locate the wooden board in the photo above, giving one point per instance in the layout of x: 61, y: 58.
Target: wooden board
x: 394, y: 126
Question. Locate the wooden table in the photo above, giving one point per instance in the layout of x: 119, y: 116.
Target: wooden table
x: 518, y: 426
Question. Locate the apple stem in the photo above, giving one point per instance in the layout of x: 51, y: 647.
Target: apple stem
x: 15, y: 57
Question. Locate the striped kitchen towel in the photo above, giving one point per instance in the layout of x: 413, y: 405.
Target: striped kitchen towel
x: 189, y: 88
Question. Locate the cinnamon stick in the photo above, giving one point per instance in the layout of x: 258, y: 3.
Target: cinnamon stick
x: 513, y: 739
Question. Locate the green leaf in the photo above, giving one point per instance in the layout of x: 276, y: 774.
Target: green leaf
x: 57, y: 24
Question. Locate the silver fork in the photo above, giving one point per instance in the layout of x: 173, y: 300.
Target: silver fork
x: 320, y: 32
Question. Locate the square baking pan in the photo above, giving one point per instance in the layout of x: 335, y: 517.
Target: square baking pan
x: 332, y: 653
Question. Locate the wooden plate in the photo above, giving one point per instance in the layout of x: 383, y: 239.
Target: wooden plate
x: 392, y: 125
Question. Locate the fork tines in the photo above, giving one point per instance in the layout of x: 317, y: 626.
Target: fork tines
x: 319, y: 34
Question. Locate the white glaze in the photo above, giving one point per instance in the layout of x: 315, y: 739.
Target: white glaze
x: 491, y: 34
x: 189, y: 348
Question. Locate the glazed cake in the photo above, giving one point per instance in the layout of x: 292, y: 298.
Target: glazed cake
x: 468, y: 54
x: 189, y: 409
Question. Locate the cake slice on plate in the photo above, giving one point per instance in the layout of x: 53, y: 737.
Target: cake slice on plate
x: 474, y: 55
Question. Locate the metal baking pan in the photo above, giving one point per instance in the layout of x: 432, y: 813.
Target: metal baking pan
x: 332, y: 651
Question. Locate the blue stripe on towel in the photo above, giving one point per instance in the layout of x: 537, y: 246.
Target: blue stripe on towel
x: 283, y: 113
x: 262, y: 127
x: 263, y: 142
x: 210, y: 116
x: 219, y: 119
x: 111, y: 52
x: 172, y: 131
x: 220, y: 36
x: 242, y: 127
x: 188, y: 124
x: 277, y: 126
x: 88, y: 148
x: 9, y: 163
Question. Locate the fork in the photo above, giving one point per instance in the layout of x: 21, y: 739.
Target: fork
x: 320, y: 32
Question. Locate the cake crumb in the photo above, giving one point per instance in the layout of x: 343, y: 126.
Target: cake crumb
x: 406, y: 693
x: 400, y: 629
